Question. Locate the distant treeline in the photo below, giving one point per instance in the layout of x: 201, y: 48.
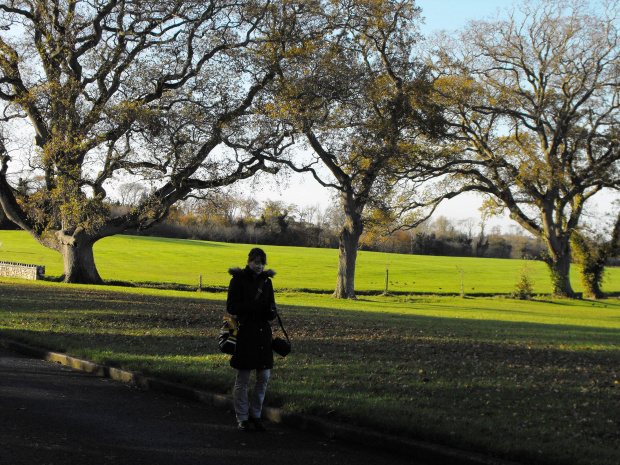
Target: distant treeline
x: 230, y: 219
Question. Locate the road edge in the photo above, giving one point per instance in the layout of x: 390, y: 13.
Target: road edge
x: 428, y: 452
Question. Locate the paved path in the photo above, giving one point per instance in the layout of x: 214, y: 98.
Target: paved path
x: 51, y: 414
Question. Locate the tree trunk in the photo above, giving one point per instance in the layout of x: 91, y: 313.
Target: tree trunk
x: 591, y: 258
x: 79, y: 261
x: 349, y: 242
x: 559, y: 254
x: 591, y: 287
x: 559, y: 266
x: 345, y: 284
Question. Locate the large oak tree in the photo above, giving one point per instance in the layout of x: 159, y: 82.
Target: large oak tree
x: 357, y: 102
x: 534, y: 100
x: 142, y: 89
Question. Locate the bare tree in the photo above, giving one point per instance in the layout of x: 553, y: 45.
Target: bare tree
x: 467, y: 226
x: 534, y: 100
x: 131, y: 193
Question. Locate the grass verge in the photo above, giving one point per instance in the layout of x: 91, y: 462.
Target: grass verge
x: 536, y: 382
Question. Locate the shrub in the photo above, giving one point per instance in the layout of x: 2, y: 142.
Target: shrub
x: 524, y: 286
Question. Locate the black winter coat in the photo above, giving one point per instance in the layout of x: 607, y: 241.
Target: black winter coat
x: 254, y: 337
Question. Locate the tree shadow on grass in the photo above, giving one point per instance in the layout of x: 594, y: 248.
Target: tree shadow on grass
x: 486, y: 375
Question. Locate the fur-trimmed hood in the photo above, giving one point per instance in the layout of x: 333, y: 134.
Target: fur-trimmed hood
x: 240, y: 272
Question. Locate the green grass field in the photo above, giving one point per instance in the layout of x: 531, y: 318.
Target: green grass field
x: 157, y: 260
x: 530, y: 381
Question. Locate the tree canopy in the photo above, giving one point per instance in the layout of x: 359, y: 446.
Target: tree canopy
x: 358, y: 103
x: 115, y: 89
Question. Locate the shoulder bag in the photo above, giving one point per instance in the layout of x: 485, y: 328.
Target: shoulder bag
x: 280, y: 346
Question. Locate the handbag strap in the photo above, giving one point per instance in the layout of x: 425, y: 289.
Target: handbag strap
x: 282, y: 326
x: 260, y: 289
x: 258, y: 294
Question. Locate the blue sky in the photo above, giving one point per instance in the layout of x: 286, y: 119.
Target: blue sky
x: 452, y: 14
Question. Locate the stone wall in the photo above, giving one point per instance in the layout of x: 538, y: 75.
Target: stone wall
x: 20, y: 270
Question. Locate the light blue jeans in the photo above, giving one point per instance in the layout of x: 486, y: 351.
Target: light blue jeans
x: 252, y: 408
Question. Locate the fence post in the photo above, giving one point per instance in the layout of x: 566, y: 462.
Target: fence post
x: 387, y: 279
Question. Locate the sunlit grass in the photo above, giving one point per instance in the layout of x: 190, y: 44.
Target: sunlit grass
x: 531, y: 381
x: 183, y: 262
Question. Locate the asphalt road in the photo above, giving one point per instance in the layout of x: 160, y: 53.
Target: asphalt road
x: 52, y: 414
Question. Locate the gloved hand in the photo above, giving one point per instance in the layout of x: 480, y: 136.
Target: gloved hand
x: 272, y: 313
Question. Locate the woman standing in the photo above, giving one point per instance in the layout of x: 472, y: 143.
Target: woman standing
x: 251, y: 300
